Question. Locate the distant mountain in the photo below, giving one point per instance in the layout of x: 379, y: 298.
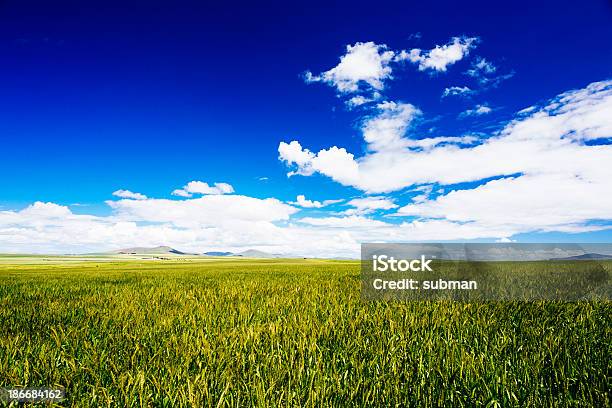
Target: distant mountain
x: 253, y: 253
x: 584, y: 257
x: 166, y: 250
x: 146, y: 251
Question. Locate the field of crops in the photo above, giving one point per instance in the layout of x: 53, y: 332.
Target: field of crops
x: 286, y: 333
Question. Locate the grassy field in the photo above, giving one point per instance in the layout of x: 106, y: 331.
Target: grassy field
x: 286, y: 333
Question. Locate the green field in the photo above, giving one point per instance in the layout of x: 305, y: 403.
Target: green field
x: 286, y: 333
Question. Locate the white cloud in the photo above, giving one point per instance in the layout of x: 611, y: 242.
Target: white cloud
x: 543, y: 202
x: 129, y: 194
x: 199, y: 187
x: 526, y: 110
x: 547, y: 177
x: 364, y: 63
x: 485, y: 73
x: 228, y: 223
x: 550, y: 138
x: 425, y: 192
x: 353, y: 221
x: 382, y: 131
x: 419, y: 198
x: 231, y: 223
x: 440, y: 57
x: 209, y: 210
x: 366, y: 66
x: 45, y: 210
x: 181, y: 193
x: 370, y: 204
x: 546, y: 146
x: 359, y: 100
x: 385, y: 130
x: 431, y: 142
x: 457, y: 91
x: 477, y: 110
x: 292, y: 153
x: 193, y: 224
x: 481, y: 67
x: 303, y: 202
x: 333, y: 161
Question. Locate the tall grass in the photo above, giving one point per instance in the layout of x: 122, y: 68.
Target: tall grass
x: 287, y: 333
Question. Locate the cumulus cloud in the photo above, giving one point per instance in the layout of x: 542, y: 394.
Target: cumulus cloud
x: 366, y: 66
x: 546, y: 170
x: 540, y: 202
x: 382, y: 131
x: 231, y: 223
x: 333, y: 161
x: 129, y: 194
x: 540, y: 140
x: 549, y: 147
x: 193, y: 224
x: 363, y: 64
x: 209, y: 210
x: 199, y: 187
x: 441, y: 56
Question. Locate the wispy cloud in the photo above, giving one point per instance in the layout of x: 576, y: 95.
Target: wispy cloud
x: 477, y: 110
x: 457, y: 91
x: 370, y: 204
x: 129, y: 195
x: 486, y: 73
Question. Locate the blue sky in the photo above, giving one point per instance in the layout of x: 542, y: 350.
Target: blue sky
x: 147, y: 97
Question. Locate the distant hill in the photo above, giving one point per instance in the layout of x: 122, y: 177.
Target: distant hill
x: 153, y: 250
x: 253, y: 253
x: 166, y: 250
x: 584, y: 257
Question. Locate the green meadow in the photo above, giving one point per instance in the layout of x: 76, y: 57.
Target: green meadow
x: 239, y: 332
